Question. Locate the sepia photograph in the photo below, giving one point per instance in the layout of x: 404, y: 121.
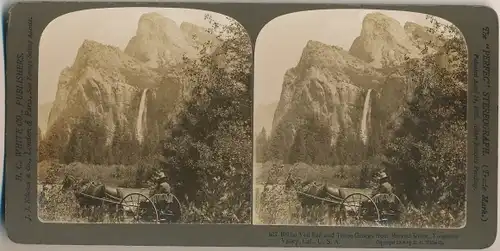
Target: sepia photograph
x: 360, y: 120
x: 145, y: 116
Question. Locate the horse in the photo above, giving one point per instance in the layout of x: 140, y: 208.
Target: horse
x: 93, y: 195
x: 319, y: 191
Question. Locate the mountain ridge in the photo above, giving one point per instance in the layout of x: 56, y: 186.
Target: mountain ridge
x: 327, y: 90
x: 98, y: 95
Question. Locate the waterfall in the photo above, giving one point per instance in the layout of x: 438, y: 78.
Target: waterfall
x: 364, y: 119
x: 141, y: 116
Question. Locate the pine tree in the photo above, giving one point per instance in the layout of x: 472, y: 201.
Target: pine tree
x: 299, y: 151
x: 278, y: 143
x: 261, y: 146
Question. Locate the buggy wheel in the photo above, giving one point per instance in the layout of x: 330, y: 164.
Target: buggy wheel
x: 360, y: 209
x: 138, y: 208
x: 169, y: 207
x: 390, y: 206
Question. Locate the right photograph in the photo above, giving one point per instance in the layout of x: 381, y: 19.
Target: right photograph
x: 360, y: 120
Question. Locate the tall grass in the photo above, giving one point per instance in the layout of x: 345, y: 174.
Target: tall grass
x: 59, y: 206
x: 341, y: 175
x: 132, y: 176
x: 276, y: 205
x: 54, y: 205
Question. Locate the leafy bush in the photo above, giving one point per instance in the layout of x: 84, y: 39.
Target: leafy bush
x: 208, y: 148
x: 436, y: 217
x: 53, y: 205
x: 428, y: 152
x: 276, y: 205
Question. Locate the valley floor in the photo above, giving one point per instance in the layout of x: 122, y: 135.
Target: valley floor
x: 272, y: 203
x: 275, y: 205
x: 55, y: 205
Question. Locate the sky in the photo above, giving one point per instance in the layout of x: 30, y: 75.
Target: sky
x: 280, y: 43
x: 62, y: 38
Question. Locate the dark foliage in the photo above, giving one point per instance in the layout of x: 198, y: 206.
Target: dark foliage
x: 208, y: 148
x: 428, y: 153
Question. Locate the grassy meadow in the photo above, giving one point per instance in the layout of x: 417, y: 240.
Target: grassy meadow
x: 54, y: 205
x: 274, y: 205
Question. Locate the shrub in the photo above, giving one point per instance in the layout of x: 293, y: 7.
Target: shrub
x: 209, y: 144
x: 428, y: 152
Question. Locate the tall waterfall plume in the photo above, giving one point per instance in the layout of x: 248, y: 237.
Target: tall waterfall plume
x: 365, y: 119
x: 141, y: 116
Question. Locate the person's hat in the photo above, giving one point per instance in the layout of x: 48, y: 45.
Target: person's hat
x: 159, y: 175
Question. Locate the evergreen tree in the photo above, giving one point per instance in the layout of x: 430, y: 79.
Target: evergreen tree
x: 86, y: 143
x: 278, y: 143
x: 298, y: 150
x: 261, y: 146
x: 318, y: 141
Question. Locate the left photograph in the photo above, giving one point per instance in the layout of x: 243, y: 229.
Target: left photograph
x: 145, y: 116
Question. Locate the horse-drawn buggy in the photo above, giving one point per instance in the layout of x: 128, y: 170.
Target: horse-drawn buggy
x: 123, y: 205
x: 354, y: 208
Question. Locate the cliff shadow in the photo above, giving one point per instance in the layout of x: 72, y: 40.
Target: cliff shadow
x: 355, y: 112
x: 143, y: 102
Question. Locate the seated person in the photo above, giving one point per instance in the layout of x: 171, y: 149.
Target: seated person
x: 384, y: 186
x: 160, y: 186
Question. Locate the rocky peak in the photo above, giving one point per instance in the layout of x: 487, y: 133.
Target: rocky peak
x: 187, y: 26
x: 99, y: 67
x: 198, y: 35
x: 320, y: 54
x: 411, y: 28
x: 159, y: 42
x: 336, y: 64
x: 98, y: 54
x: 421, y: 34
x: 108, y: 61
x: 313, y: 45
x: 156, y: 26
x: 191, y: 29
x: 383, y: 42
x: 379, y: 23
x: 111, y: 63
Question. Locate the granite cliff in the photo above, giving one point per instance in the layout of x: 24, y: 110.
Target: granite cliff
x: 383, y: 42
x: 43, y: 116
x: 335, y: 104
x: 160, y: 42
x: 112, y: 105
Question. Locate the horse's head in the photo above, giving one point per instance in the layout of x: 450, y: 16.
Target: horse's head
x: 68, y: 182
x: 290, y: 181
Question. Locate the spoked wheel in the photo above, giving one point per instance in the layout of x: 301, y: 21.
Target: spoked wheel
x: 138, y: 208
x: 390, y: 206
x: 169, y: 207
x: 360, y: 209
